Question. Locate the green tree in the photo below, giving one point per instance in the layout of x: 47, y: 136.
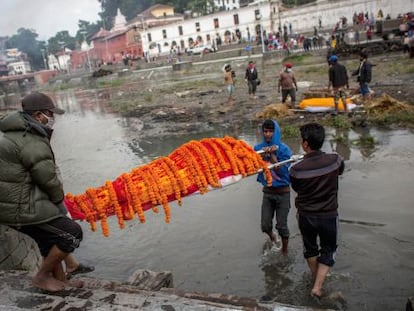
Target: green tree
x: 25, y: 41
x: 61, y: 40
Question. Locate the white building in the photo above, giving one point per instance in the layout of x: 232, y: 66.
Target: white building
x: 268, y: 15
x: 19, y: 67
x: 227, y: 5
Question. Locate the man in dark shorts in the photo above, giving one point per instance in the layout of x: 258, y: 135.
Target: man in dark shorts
x: 315, y: 179
x: 30, y: 190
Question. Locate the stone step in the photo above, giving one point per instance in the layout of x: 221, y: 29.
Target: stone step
x: 17, y: 293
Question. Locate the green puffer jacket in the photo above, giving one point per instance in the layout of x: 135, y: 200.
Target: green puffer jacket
x: 29, y: 185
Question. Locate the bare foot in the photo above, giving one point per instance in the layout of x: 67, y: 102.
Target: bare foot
x: 75, y: 283
x: 48, y: 283
x: 316, y: 293
x: 272, y: 237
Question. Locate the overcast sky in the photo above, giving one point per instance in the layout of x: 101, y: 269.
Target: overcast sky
x: 47, y: 17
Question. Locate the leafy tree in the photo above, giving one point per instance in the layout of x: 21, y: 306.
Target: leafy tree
x: 61, y: 40
x: 25, y: 41
x: 87, y: 30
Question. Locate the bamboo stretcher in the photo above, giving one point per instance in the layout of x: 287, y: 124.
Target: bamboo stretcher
x: 194, y: 168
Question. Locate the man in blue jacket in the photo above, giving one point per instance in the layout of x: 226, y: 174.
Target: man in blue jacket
x: 276, y: 198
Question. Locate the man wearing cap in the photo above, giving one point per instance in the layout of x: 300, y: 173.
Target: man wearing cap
x: 287, y: 82
x: 338, y: 79
x: 30, y: 189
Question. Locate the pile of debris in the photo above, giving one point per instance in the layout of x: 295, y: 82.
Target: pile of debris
x: 274, y: 111
x: 386, y: 104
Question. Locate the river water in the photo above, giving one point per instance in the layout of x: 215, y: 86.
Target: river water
x: 214, y: 242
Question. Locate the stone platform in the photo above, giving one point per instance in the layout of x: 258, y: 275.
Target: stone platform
x: 17, y: 293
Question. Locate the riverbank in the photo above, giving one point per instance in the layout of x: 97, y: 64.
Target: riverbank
x: 168, y: 102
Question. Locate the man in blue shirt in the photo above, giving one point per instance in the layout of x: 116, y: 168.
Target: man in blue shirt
x: 276, y: 198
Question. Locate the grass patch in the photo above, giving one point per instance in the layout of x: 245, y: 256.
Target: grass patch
x: 110, y: 83
x: 365, y: 141
x: 298, y: 59
x: 290, y: 131
x: 401, y: 118
x: 340, y: 122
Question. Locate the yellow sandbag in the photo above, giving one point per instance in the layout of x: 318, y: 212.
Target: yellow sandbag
x: 322, y: 102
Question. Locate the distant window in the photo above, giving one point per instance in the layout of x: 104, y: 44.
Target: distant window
x: 216, y: 23
x: 164, y: 34
x: 197, y: 25
x: 180, y: 30
x: 236, y: 19
x: 257, y: 14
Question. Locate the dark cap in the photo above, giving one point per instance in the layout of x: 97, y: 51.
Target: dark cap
x: 37, y: 101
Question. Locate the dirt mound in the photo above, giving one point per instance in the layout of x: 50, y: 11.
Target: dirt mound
x: 274, y: 111
x: 386, y: 104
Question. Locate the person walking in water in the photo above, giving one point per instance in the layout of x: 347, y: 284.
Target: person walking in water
x: 315, y: 180
x: 251, y: 77
x: 276, y: 198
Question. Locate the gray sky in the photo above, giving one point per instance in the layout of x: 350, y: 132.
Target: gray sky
x: 47, y: 17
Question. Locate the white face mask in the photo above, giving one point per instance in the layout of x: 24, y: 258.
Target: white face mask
x: 288, y: 70
x: 50, y: 120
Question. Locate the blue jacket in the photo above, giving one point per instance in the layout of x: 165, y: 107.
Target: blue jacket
x: 280, y: 177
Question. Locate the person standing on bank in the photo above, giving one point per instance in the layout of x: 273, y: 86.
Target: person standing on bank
x: 276, y: 198
x: 338, y: 79
x: 315, y: 180
x: 30, y: 190
x: 287, y: 82
x: 251, y: 77
x: 364, y: 74
x: 229, y: 82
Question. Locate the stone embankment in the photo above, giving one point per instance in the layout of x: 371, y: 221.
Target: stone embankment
x: 17, y: 293
x: 144, y: 290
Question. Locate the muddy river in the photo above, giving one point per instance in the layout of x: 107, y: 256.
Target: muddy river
x: 214, y: 242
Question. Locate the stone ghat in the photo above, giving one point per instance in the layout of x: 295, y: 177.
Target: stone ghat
x: 17, y: 293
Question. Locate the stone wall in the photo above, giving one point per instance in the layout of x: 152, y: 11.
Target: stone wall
x: 304, y: 18
x: 17, y: 251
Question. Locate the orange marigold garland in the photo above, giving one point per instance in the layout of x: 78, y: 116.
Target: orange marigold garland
x: 81, y: 202
x: 99, y: 205
x: 114, y: 202
x: 193, y: 167
x: 135, y: 202
x: 162, y: 163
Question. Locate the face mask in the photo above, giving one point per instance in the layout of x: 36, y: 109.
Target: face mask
x: 288, y: 70
x: 50, y: 121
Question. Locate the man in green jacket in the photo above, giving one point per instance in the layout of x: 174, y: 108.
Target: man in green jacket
x: 30, y: 190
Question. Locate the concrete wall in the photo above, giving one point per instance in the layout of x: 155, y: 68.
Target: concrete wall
x: 330, y: 11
